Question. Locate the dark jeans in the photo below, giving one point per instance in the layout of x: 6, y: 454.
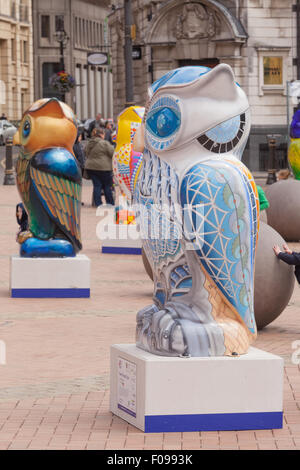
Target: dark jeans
x: 102, y: 180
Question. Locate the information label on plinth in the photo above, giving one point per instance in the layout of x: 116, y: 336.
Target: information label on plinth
x: 176, y: 394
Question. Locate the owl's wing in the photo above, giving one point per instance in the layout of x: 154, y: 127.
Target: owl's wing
x: 56, y: 178
x: 294, y: 157
x: 220, y: 205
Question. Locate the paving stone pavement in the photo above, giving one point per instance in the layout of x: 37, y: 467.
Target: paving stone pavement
x: 54, y: 387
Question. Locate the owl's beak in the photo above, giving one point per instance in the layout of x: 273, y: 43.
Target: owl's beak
x: 16, y: 139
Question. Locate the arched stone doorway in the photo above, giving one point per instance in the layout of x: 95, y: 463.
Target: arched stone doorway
x: 201, y: 32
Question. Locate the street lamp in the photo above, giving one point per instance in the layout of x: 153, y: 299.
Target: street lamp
x: 271, y: 138
x: 62, y: 38
x: 129, y: 31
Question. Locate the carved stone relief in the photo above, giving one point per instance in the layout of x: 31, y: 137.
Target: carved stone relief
x: 195, y: 21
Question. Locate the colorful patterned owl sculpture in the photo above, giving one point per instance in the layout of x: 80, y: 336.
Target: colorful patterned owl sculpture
x: 198, y: 210
x: 49, y: 180
x: 125, y: 161
x: 294, y: 148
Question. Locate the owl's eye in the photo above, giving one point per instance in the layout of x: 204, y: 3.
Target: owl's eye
x: 163, y: 122
x: 26, y: 129
x: 224, y: 137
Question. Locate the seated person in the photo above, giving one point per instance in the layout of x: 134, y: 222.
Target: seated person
x: 283, y: 174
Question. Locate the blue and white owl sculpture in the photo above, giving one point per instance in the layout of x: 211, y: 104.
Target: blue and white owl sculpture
x: 199, y: 213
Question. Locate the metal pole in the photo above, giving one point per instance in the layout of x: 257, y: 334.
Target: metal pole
x: 9, y: 177
x: 128, y: 53
x: 62, y: 62
x: 271, y: 163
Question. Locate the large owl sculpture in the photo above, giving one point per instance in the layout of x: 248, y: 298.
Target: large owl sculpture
x: 198, y: 212
x: 294, y: 148
x: 125, y: 160
x: 49, y: 180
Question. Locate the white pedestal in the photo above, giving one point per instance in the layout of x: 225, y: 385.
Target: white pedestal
x: 122, y: 239
x: 50, y: 277
x: 170, y: 394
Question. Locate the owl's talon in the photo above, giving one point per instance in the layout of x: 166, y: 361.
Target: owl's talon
x: 54, y: 248
x: 160, y: 333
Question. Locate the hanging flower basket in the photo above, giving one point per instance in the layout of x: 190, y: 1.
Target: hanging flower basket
x: 62, y: 82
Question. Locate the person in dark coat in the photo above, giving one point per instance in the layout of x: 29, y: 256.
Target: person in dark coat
x: 23, y: 222
x: 79, y: 152
x: 108, y: 132
x: 96, y: 124
x: 289, y: 257
x: 22, y: 217
x: 98, y: 166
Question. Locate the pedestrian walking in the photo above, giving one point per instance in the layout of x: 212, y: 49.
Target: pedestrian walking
x: 98, y: 166
x: 97, y: 123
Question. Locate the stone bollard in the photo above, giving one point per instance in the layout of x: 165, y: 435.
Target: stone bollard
x: 9, y: 176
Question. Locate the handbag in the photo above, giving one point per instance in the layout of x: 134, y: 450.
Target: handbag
x: 85, y: 175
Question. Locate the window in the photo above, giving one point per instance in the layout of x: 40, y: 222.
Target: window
x: 45, y: 26
x: 22, y: 101
x: 13, y: 50
x: 273, y: 73
x: 23, y: 12
x: 76, y: 30
x: 49, y: 69
x: 273, y: 66
x: 59, y: 23
x: 24, y: 51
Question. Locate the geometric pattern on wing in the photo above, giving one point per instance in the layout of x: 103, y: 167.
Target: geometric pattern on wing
x: 135, y: 166
x: 123, y: 155
x: 122, y: 168
x: 180, y: 280
x: 61, y: 198
x: 219, y: 218
x: 23, y: 182
x: 155, y: 193
x: 161, y: 235
x: 133, y: 128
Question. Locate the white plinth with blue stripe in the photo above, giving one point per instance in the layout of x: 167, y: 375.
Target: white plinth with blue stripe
x: 170, y: 394
x: 50, y: 277
x: 122, y: 239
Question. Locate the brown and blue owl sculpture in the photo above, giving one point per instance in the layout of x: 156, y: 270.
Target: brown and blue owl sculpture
x: 49, y: 180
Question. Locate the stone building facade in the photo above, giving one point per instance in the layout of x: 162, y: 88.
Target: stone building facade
x: 257, y: 38
x: 16, y: 57
x: 85, y: 25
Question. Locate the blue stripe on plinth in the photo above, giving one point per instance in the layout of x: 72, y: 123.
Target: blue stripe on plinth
x: 50, y: 293
x: 121, y: 250
x: 123, y: 408
x: 214, y: 422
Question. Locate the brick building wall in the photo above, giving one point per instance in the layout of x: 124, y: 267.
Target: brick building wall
x: 16, y: 57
